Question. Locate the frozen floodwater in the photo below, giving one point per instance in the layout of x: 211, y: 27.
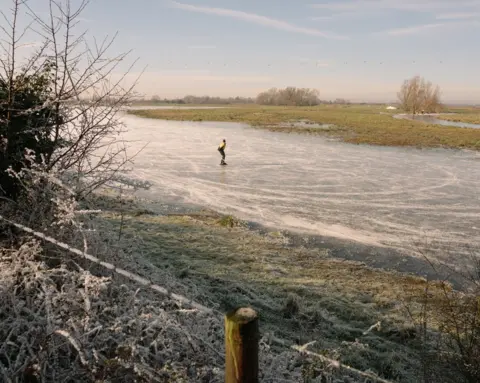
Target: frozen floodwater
x: 404, y: 198
x: 431, y: 119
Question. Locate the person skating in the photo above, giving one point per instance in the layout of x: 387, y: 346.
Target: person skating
x: 221, y: 149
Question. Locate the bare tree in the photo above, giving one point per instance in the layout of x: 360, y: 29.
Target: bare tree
x: 268, y: 97
x: 289, y: 96
x: 418, y: 95
x: 431, y: 98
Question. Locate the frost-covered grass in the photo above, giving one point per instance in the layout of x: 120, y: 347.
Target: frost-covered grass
x: 64, y: 318
x: 302, y: 295
x: 59, y: 324
x: 355, y: 124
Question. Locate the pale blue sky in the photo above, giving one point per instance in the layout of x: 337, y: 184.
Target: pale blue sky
x: 361, y: 50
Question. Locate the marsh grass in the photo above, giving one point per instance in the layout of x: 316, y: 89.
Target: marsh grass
x: 230, y: 221
x: 354, y: 124
x: 301, y: 294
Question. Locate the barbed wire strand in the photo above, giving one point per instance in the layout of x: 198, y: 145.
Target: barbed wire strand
x: 184, y: 300
x: 133, y: 277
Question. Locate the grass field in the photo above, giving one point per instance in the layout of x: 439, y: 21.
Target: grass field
x: 301, y: 294
x: 354, y: 124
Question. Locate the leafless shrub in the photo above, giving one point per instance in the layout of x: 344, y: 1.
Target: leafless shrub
x: 449, y: 327
x: 418, y: 95
x: 58, y: 324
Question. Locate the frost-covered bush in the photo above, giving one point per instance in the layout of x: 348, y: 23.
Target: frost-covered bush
x: 26, y: 121
x: 58, y: 324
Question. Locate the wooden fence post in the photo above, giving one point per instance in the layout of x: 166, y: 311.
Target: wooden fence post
x: 241, y: 346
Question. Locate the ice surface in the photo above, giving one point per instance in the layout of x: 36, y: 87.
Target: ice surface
x: 432, y: 119
x: 404, y: 198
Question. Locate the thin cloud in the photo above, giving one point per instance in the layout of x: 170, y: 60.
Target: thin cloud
x: 84, y: 20
x: 340, y: 15
x: 199, y: 75
x: 318, y: 18
x: 458, y: 16
x: 416, y: 29
x: 179, y: 72
x: 347, y: 5
x: 228, y: 79
x: 202, y: 47
x: 30, y: 45
x: 349, y: 15
x: 404, y: 5
x: 47, y: 15
x: 256, y: 19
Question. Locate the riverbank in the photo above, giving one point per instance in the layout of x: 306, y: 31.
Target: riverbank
x: 302, y: 293
x: 353, y: 124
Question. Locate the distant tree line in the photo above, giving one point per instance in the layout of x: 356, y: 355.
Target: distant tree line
x: 189, y: 99
x: 289, y: 96
x: 341, y: 101
x: 415, y: 96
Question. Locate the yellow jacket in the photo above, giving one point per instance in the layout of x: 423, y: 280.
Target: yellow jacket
x: 222, y: 145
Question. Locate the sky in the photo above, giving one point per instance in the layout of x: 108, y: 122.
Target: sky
x: 359, y: 50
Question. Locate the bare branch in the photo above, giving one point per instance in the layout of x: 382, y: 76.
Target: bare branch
x: 418, y: 95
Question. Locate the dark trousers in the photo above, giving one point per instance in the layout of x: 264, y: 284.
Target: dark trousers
x: 222, y: 152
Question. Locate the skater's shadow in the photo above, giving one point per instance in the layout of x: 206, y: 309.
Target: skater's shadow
x: 223, y: 176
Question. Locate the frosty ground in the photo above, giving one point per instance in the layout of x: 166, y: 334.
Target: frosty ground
x: 302, y: 295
